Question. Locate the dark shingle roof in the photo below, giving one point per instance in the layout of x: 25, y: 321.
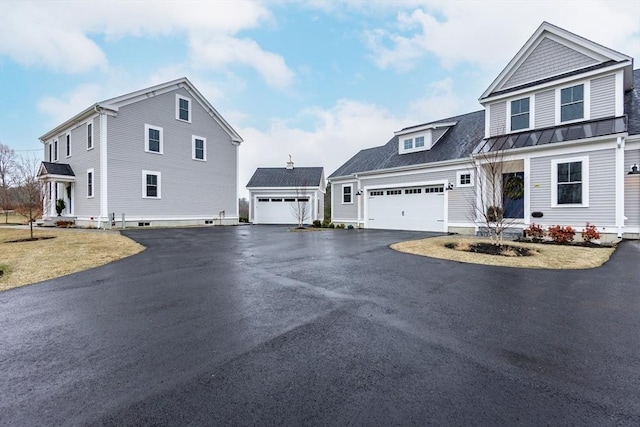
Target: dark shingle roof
x: 283, y: 177
x: 62, y: 169
x: 458, y: 142
x: 632, y: 105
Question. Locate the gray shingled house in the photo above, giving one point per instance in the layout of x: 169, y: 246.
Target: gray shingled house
x: 564, y: 116
x: 286, y: 195
x: 161, y: 156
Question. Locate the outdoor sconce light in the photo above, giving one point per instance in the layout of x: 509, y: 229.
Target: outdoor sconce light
x: 634, y: 170
x: 450, y: 186
x: 359, y: 193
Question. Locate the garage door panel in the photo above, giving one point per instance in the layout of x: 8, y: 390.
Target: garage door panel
x: 278, y: 210
x: 415, y: 208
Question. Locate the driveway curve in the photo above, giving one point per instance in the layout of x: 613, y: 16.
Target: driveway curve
x: 255, y: 325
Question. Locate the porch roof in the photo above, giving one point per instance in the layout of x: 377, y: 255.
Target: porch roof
x: 50, y: 170
x: 571, y: 132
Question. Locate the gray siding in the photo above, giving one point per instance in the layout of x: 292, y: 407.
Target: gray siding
x: 189, y: 188
x: 461, y: 202
x: 498, y: 117
x: 545, y: 113
x: 344, y: 211
x: 601, y: 210
x: 436, y: 134
x: 548, y: 59
x: 603, y: 97
x: 631, y: 189
x: 80, y: 160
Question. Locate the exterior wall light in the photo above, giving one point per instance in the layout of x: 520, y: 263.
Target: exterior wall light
x: 634, y: 170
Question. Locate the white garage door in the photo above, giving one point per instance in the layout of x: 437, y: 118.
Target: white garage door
x: 280, y: 210
x: 411, y: 208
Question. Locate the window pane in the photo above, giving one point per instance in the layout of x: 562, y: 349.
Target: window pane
x: 152, y: 191
x: 565, y: 96
x: 572, y: 111
x: 575, y: 172
x: 563, y: 172
x: 419, y: 141
x: 408, y: 144
x: 569, y: 194
x: 520, y: 121
x: 152, y: 180
x: 184, y: 109
x: 578, y: 93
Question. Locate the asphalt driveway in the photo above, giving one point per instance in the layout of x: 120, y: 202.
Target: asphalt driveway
x: 255, y: 325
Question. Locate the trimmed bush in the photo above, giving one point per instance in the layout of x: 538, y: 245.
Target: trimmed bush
x: 340, y: 226
x: 561, y: 234
x: 534, y: 231
x: 317, y: 223
x: 590, y: 233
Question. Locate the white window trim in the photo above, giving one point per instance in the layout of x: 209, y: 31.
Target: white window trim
x: 146, y: 139
x: 460, y: 173
x: 585, y: 182
x: 144, y: 184
x: 193, y: 148
x: 531, y: 112
x: 56, y: 147
x: 427, y: 135
x: 586, y: 102
x: 90, y: 124
x: 93, y: 183
x: 342, y: 194
x: 178, y: 98
x: 67, y: 140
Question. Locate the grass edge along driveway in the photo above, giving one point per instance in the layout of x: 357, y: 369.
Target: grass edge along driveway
x: 25, y: 263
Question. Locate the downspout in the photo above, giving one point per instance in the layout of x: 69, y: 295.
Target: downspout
x: 620, y: 185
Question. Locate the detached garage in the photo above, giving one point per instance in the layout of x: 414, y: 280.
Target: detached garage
x: 286, y: 195
x: 409, y: 208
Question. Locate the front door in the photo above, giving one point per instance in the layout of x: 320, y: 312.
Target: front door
x: 513, y: 194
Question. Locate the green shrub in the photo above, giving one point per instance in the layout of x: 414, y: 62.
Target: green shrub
x: 349, y: 227
x: 340, y: 226
x: 317, y: 223
x: 331, y: 225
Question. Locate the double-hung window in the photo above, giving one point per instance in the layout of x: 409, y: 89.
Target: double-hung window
x: 90, y: 175
x: 572, y: 103
x: 152, y: 139
x: 68, y: 145
x: 520, y: 114
x: 570, y: 182
x: 199, y: 148
x: 151, y: 185
x: 55, y: 150
x: 89, y: 136
x: 183, y: 108
x: 347, y: 194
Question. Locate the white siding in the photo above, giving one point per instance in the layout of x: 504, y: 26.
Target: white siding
x: 603, y: 97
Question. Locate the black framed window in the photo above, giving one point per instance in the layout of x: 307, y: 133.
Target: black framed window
x: 152, y: 185
x: 346, y: 194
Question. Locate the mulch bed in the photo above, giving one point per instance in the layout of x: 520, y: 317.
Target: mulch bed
x: 580, y: 244
x: 29, y: 239
x: 491, y: 249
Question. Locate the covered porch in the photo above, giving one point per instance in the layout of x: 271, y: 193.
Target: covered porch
x: 59, y: 184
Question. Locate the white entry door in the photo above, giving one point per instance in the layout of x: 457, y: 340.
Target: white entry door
x: 410, y: 208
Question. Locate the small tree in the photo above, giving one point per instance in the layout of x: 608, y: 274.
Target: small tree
x: 7, y: 168
x: 28, y: 189
x: 494, y: 196
x: 301, y: 206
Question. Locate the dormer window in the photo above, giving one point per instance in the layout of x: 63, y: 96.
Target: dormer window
x: 421, y: 137
x: 520, y: 114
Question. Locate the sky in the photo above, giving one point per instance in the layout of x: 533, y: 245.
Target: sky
x: 319, y: 80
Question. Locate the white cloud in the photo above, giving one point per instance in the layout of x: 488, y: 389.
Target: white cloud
x: 220, y: 51
x: 70, y: 104
x: 337, y: 134
x: 486, y: 33
x: 58, y: 34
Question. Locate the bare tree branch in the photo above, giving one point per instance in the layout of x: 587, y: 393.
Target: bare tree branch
x: 28, y: 189
x: 7, y: 168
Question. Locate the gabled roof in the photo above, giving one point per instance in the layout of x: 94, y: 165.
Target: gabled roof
x: 113, y: 104
x: 457, y: 143
x: 283, y: 177
x: 59, y: 169
x: 579, y: 54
